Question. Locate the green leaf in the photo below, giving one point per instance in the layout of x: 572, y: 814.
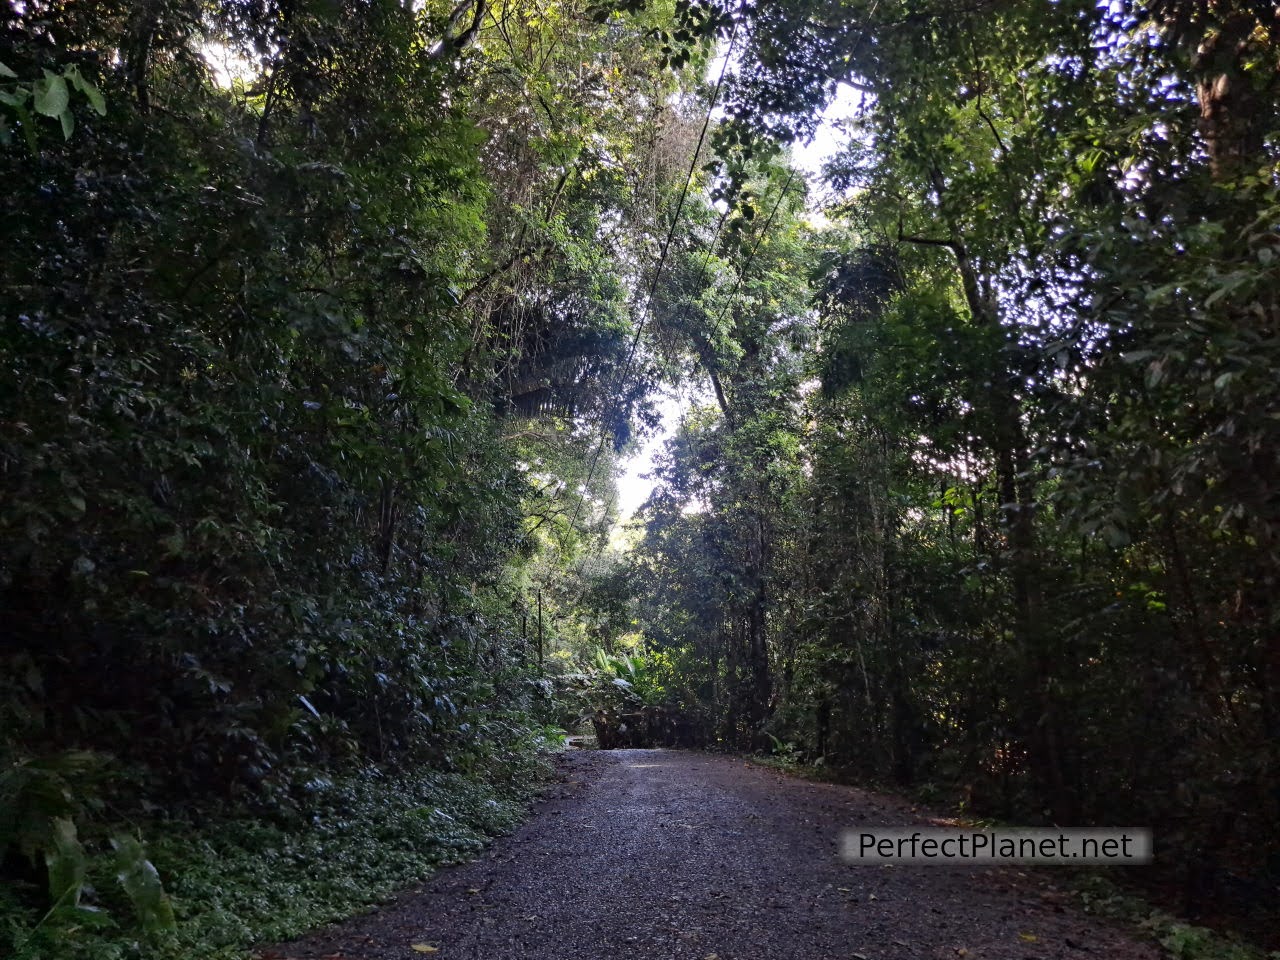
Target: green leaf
x: 6, y: 72
x: 68, y: 124
x: 86, y: 86
x: 65, y: 861
x: 141, y: 883
x: 28, y: 128
x: 51, y: 95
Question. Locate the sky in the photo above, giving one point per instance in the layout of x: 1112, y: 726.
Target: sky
x: 634, y: 486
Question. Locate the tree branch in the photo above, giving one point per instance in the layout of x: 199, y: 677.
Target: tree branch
x: 953, y: 245
x: 452, y: 43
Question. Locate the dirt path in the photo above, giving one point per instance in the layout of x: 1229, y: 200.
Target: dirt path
x: 665, y: 854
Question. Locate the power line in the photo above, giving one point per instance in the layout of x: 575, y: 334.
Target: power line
x: 647, y: 306
x: 746, y: 266
x: 742, y: 274
x: 648, y: 303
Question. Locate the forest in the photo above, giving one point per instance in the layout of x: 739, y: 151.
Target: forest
x: 329, y: 327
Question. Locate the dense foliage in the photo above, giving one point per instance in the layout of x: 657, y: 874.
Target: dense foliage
x: 326, y: 327
x: 312, y: 380
x: 1001, y: 521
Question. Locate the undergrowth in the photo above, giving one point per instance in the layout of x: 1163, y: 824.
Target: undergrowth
x: 1095, y: 893
x: 238, y: 880
x: 1180, y: 939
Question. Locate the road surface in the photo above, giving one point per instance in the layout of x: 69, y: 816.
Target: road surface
x: 672, y: 854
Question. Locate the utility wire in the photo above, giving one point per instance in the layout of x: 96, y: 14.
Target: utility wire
x: 742, y: 274
x: 648, y: 303
x: 764, y: 231
x: 746, y: 266
x: 647, y: 306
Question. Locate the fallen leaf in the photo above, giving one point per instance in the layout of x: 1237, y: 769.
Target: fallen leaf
x: 473, y: 889
x: 1028, y: 937
x: 425, y: 948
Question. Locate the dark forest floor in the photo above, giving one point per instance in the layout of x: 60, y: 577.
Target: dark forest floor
x: 657, y: 853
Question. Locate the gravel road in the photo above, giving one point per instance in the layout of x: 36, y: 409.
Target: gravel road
x: 671, y: 854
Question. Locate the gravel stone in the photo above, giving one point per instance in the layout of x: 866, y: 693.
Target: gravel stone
x: 675, y: 854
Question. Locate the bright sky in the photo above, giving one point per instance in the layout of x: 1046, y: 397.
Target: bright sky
x: 634, y: 486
